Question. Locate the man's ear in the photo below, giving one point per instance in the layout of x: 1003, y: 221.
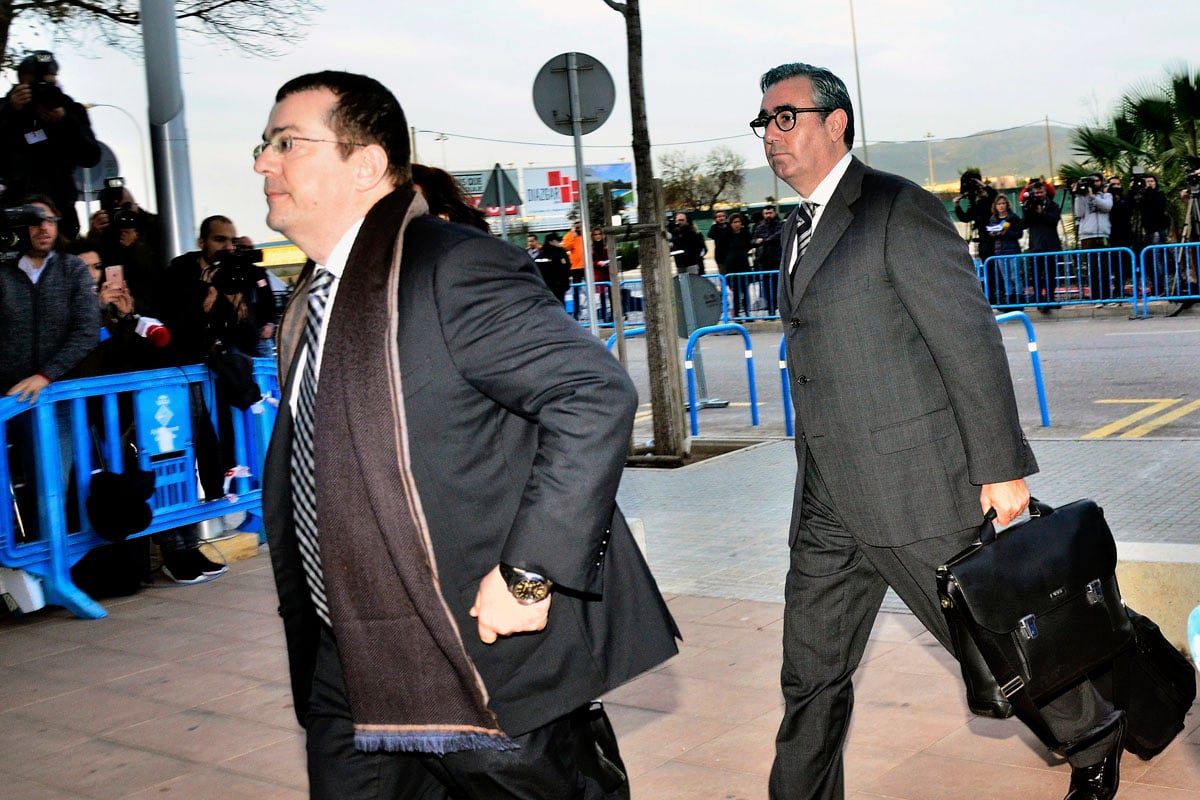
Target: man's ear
x: 835, y: 123
x: 372, y: 167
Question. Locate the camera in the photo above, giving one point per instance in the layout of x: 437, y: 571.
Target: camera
x: 14, y: 233
x: 234, y: 270
x: 969, y: 183
x: 1086, y: 185
x: 1193, y: 184
x: 121, y: 215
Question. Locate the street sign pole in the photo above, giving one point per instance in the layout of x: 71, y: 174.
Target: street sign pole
x: 577, y: 134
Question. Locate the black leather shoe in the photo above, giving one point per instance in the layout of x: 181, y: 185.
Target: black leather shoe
x: 1100, y: 781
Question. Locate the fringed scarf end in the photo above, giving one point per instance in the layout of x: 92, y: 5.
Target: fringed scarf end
x: 436, y: 742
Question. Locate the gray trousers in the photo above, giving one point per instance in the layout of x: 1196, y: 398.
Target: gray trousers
x: 835, y: 586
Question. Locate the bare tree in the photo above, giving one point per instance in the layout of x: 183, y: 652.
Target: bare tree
x: 681, y: 176
x: 697, y: 183
x: 724, y: 176
x: 662, y: 348
x: 259, y: 27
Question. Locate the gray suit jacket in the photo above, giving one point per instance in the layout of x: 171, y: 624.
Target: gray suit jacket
x: 518, y: 427
x: 899, y: 377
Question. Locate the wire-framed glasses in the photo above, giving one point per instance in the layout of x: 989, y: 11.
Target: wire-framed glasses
x: 785, y: 119
x: 282, y: 143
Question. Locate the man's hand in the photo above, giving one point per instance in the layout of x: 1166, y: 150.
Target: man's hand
x: 30, y: 388
x: 99, y: 221
x: 118, y: 297
x: 20, y: 96
x: 268, y: 331
x: 1009, y: 499
x: 499, y: 613
x: 128, y: 237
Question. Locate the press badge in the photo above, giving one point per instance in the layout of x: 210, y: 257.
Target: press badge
x: 36, y: 135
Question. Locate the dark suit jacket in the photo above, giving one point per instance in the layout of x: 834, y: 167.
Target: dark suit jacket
x: 898, y: 374
x: 518, y: 428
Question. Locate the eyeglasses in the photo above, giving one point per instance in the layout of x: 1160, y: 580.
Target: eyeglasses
x: 785, y: 119
x: 283, y: 143
x: 46, y: 220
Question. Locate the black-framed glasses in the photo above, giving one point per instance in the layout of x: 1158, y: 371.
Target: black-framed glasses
x: 785, y: 119
x: 282, y: 143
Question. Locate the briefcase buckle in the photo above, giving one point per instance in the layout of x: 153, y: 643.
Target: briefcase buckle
x: 1012, y: 687
x: 1095, y: 593
x: 1029, y: 627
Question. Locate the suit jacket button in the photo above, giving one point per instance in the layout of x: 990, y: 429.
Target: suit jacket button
x: 802, y: 379
x: 794, y: 322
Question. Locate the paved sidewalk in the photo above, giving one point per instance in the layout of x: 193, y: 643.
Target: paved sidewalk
x: 182, y: 692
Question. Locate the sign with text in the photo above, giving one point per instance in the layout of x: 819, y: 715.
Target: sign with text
x: 554, y: 191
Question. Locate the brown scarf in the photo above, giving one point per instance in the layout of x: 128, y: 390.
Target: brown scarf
x: 411, y: 685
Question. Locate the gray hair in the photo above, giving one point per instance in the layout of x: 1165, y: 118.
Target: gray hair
x: 828, y: 91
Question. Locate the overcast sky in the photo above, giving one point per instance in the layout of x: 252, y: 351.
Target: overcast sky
x: 466, y: 68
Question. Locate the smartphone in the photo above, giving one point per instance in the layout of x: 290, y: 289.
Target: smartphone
x: 115, y: 276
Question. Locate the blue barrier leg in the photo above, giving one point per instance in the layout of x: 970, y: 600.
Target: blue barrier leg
x: 1034, y: 360
x: 785, y: 390
x: 693, y: 414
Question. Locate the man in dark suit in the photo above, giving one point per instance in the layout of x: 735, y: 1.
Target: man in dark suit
x: 907, y: 429
x: 455, y: 579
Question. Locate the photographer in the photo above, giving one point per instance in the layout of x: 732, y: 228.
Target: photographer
x: 44, y: 136
x: 124, y: 234
x: 212, y: 297
x: 979, y: 197
x: 1042, y: 216
x: 1092, y: 228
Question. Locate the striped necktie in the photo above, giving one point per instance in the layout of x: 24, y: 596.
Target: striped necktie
x: 804, y: 229
x: 304, y: 484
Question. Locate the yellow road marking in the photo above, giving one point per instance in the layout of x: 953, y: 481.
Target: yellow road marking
x: 1155, y: 406
x: 1158, y: 422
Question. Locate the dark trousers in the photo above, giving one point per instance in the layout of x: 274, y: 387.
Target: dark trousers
x: 546, y: 766
x: 834, y: 589
x: 1099, y: 268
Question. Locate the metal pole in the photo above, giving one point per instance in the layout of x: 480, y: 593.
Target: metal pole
x: 577, y: 134
x: 500, y: 195
x: 168, y: 133
x: 862, y: 126
x: 1049, y: 152
x: 929, y: 153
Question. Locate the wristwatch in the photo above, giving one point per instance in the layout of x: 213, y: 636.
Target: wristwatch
x: 528, y: 587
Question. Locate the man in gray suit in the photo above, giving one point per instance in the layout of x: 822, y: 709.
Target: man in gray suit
x: 455, y: 580
x: 907, y: 429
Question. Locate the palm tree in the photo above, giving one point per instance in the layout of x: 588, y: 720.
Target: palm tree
x: 1154, y: 126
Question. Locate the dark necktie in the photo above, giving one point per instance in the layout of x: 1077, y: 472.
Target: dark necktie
x: 804, y: 230
x: 304, y: 484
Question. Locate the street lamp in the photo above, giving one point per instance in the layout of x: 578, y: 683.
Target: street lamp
x: 141, y: 144
x: 862, y: 125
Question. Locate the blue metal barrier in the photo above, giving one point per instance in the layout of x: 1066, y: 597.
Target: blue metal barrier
x: 1000, y: 318
x: 1169, y: 273
x: 789, y: 426
x: 162, y: 432
x: 752, y: 295
x: 1034, y: 358
x: 691, y: 371
x: 1069, y: 277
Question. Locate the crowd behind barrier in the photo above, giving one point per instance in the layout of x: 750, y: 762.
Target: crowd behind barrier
x: 109, y: 417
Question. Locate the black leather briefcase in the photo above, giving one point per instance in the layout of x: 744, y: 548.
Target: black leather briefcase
x: 1039, y: 602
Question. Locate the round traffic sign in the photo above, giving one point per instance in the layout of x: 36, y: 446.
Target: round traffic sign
x: 552, y: 93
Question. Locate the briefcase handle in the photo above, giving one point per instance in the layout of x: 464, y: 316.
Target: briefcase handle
x: 987, y: 531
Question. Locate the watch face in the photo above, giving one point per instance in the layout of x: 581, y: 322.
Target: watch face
x: 529, y: 591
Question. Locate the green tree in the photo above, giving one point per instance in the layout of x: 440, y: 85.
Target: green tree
x: 255, y: 26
